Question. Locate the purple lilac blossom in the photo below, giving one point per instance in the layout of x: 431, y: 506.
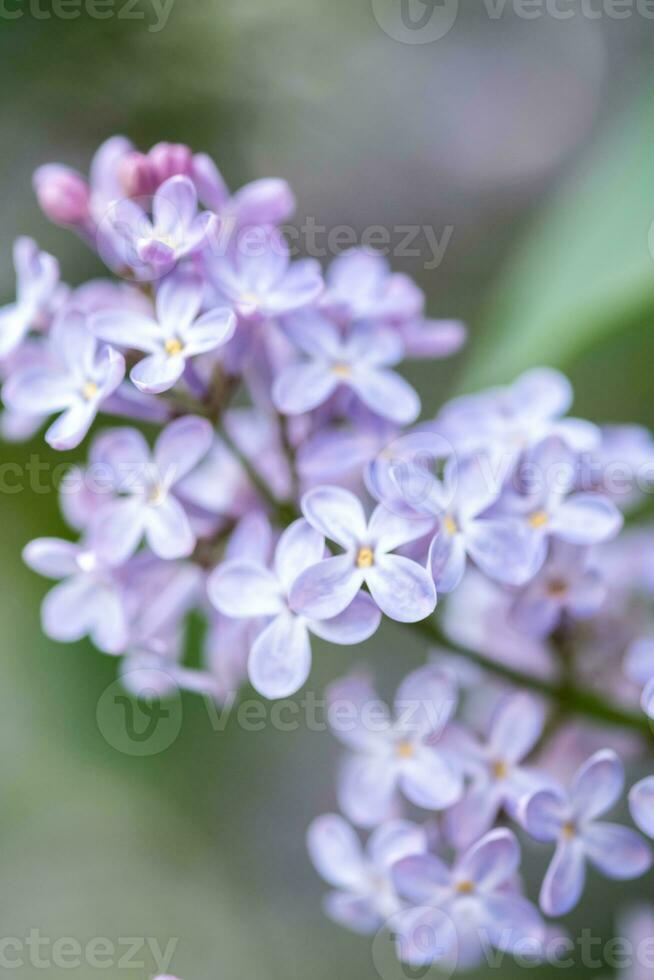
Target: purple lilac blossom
x: 150, y: 247
x: 176, y: 335
x: 359, y: 361
x: 402, y: 588
x: 391, y: 755
x: 456, y: 913
x: 570, y: 820
x: 364, y: 895
x: 280, y: 658
x: 76, y: 379
x: 641, y: 804
x: 499, y: 780
x: 548, y: 507
x: 90, y: 599
x: 639, y: 667
x: 139, y: 486
x: 256, y: 277
x: 568, y: 584
x: 38, y: 295
x: 502, y: 496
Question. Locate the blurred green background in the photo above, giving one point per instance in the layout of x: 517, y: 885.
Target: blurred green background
x: 534, y: 140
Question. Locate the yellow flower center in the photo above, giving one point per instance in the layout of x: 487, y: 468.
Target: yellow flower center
x: 500, y: 769
x: 341, y: 371
x: 173, y: 346
x: 89, y: 391
x: 365, y: 558
x: 465, y: 887
x: 450, y: 524
x: 569, y: 830
x: 538, y: 519
x: 404, y: 750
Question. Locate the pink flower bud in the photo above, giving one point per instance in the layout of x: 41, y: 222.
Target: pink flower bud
x: 62, y: 194
x: 137, y: 175
x: 170, y: 160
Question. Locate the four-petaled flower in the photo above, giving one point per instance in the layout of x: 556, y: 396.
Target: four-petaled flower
x: 400, y: 754
x: 499, y: 780
x: 141, y: 486
x: 90, y: 600
x: 280, y: 658
x: 402, y: 588
x: 75, y: 379
x: 359, y: 361
x: 176, y: 334
x: 571, y: 821
x: 457, y: 910
x: 364, y: 895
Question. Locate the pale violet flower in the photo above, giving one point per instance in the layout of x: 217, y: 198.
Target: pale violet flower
x: 38, y: 295
x: 500, y: 780
x: 550, y: 508
x: 457, y: 912
x: 151, y: 247
x: 258, y: 279
x: 641, y: 804
x: 75, y: 379
x: 639, y: 667
x: 571, y: 821
x: 364, y: 895
x: 280, y: 658
x: 90, y: 599
x: 359, y: 361
x: 395, y: 755
x: 176, y: 335
x: 505, y: 422
x: 361, y: 286
x: 567, y: 583
x: 402, y: 588
x: 498, y: 544
x: 140, y: 484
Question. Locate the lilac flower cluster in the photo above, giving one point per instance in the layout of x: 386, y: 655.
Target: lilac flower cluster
x: 264, y: 474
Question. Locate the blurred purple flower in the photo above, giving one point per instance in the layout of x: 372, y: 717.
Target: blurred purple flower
x: 75, y: 379
x: 571, y: 821
x: 639, y: 667
x: 566, y: 584
x: 499, y: 780
x: 641, y: 804
x: 458, y: 912
x: 39, y: 295
x: 365, y: 896
x: 400, y: 754
x: 359, y: 361
x: 89, y: 601
x: 258, y: 279
x: 141, y: 483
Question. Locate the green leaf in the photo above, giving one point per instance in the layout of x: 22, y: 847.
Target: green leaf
x: 586, y: 271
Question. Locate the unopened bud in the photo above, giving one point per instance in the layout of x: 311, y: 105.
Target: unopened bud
x: 170, y: 160
x: 62, y: 194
